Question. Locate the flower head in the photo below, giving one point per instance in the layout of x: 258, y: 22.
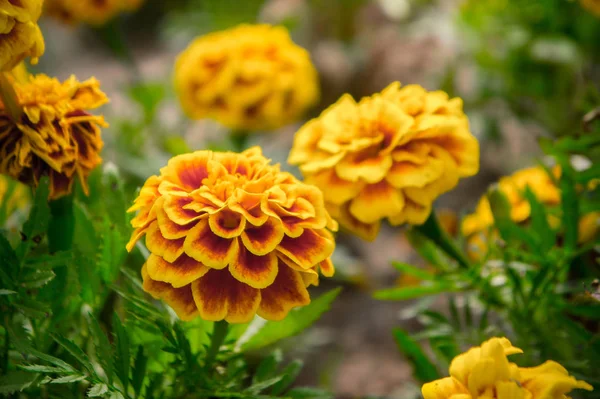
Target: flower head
x: 485, y: 372
x: 250, y: 77
x: 230, y: 235
x: 55, y: 135
x: 20, y: 35
x: 388, y: 156
x: 90, y: 12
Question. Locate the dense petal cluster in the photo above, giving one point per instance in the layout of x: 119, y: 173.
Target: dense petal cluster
x: 592, y: 5
x: 231, y: 236
x: 20, y: 35
x: 388, y: 156
x: 485, y: 373
x: 251, y: 77
x: 55, y: 136
x: 91, y: 12
x: 477, y: 227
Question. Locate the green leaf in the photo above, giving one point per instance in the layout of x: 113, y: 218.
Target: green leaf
x: 148, y: 96
x: 139, y: 371
x: 539, y: 222
x: 424, y: 369
x: 102, y: 347
x: 509, y: 231
x: 7, y: 292
x: 37, y: 223
x: 405, y: 293
x: 267, y: 367
x: 49, y: 261
x: 32, y: 308
x: 261, y: 386
x: 413, y: 271
x: 22, y: 345
x: 68, y: 379
x: 15, y: 381
x: 97, y: 390
x: 308, y: 393
x: 61, y: 226
x: 40, y: 368
x: 9, y: 263
x: 75, y: 351
x: 122, y: 353
x: 570, y: 205
x: 290, y: 373
x: 295, y: 322
x: 37, y: 279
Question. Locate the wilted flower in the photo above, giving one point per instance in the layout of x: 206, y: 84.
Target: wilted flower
x: 55, y: 136
x: 230, y: 235
x: 478, y: 226
x: 485, y: 372
x: 250, y: 77
x: 388, y: 156
x: 20, y: 35
x: 592, y: 5
x: 90, y: 12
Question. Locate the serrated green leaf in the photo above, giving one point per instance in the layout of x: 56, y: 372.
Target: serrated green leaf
x: 295, y: 322
x: 424, y: 369
x: 37, y: 223
x: 308, y: 393
x: 23, y: 346
x: 102, y: 347
x: 75, y: 351
x: 413, y: 271
x: 37, y: 279
x: 289, y: 375
x: 139, y: 371
x: 261, y: 386
x: 49, y: 261
x: 68, y: 379
x: 40, y: 368
x: 7, y: 292
x: 405, y: 293
x: 122, y: 352
x: 32, y: 308
x: 97, y: 390
x: 9, y: 263
x: 267, y: 367
x: 539, y: 222
x: 15, y: 381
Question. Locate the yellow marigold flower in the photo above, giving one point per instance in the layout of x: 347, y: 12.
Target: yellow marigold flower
x: 92, y: 12
x: 388, y: 156
x: 231, y: 236
x: 19, y: 73
x: 592, y: 6
x: 56, y: 135
x: 485, y: 373
x: 20, y: 35
x: 251, y: 77
x: 13, y: 196
x: 588, y: 227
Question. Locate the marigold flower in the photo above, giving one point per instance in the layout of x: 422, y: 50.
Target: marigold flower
x: 251, y: 77
x: 90, y: 12
x: 592, y: 6
x: 231, y: 236
x: 388, y: 156
x: 55, y: 136
x: 20, y: 35
x: 477, y: 226
x: 485, y: 372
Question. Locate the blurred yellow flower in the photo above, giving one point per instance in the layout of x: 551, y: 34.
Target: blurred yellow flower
x: 592, y: 5
x: 478, y: 226
x: 485, y: 373
x: 251, y: 77
x: 91, y: 12
x: 20, y: 35
x: 388, y: 156
x: 231, y: 236
x: 19, y: 73
x: 14, y: 196
x: 55, y: 136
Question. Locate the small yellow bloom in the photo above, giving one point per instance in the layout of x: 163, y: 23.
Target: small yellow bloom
x: 14, y: 196
x: 388, y: 156
x: 588, y: 228
x: 592, y: 6
x: 485, y: 373
x: 56, y: 135
x: 231, y: 236
x: 20, y: 35
x: 90, y: 12
x: 251, y: 77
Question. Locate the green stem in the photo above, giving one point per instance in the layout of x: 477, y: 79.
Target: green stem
x: 61, y: 227
x: 218, y: 336
x: 432, y: 230
x: 239, y: 139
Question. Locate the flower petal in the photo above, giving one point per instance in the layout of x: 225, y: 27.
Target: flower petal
x: 307, y: 250
x: 170, y: 250
x: 377, y: 201
x: 338, y: 190
x: 287, y: 291
x: 226, y: 223
x: 327, y: 268
x: 366, y: 231
x: 175, y: 209
x: 178, y: 273
x: 219, y: 296
x: 208, y: 248
x: 369, y: 168
x: 264, y: 239
x: 180, y: 299
x: 256, y: 271
x: 168, y: 228
x: 408, y: 174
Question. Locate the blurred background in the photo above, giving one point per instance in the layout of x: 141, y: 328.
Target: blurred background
x: 524, y: 68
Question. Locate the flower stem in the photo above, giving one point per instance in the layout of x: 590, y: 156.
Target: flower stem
x: 239, y: 139
x: 432, y: 230
x: 9, y: 98
x: 61, y: 228
x: 218, y: 336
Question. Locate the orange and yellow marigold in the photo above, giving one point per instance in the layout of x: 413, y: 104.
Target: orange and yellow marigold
x: 485, y: 373
x: 231, y: 236
x: 90, y: 12
x: 20, y: 35
x: 388, y: 156
x: 55, y: 135
x: 251, y: 77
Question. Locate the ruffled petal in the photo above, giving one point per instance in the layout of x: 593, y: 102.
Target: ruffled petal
x: 287, y: 291
x: 227, y: 224
x: 170, y: 250
x: 377, y: 201
x: 264, y: 239
x: 179, y: 273
x: 208, y: 248
x: 180, y: 299
x: 307, y: 250
x: 256, y: 271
